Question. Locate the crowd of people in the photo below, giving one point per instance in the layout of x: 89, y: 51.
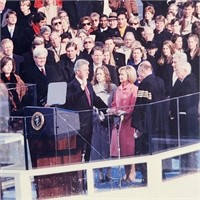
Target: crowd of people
x: 114, y: 62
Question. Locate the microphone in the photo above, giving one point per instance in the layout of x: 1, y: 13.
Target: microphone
x: 121, y: 113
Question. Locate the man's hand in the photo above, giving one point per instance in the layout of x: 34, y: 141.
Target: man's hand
x: 137, y: 134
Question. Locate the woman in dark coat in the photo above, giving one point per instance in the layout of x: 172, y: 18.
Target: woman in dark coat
x: 193, y: 54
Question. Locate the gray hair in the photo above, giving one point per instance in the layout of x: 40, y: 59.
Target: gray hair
x: 44, y: 29
x: 79, y: 63
x: 180, y: 56
x: 129, y: 34
x: 185, y: 66
x: 5, y: 41
x: 39, y: 50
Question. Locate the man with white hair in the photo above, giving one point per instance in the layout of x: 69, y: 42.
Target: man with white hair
x: 188, y: 106
x: 40, y: 74
x: 185, y: 113
x: 175, y: 82
x: 129, y: 38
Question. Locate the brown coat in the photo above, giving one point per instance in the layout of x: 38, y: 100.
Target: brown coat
x: 130, y: 5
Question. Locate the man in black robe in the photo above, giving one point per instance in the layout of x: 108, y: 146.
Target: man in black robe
x: 149, y: 118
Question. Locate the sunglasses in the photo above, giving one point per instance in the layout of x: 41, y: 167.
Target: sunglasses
x: 87, y: 42
x: 84, y: 24
x: 56, y: 23
x: 133, y: 24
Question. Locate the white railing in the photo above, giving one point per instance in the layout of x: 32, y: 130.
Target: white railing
x: 23, y: 187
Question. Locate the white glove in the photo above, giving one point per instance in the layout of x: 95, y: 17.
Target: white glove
x: 101, y: 116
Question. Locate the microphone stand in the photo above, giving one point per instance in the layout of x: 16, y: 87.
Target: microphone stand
x: 118, y: 127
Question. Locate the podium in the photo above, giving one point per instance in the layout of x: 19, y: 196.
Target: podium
x: 51, y: 134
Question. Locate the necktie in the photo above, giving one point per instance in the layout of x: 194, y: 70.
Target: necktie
x: 11, y: 32
x: 87, y: 92
x: 43, y: 71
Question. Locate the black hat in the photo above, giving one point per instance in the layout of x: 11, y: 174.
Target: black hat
x: 151, y: 45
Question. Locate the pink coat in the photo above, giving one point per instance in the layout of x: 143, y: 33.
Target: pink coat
x: 124, y: 99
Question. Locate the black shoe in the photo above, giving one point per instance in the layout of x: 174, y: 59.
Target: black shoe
x: 108, y: 179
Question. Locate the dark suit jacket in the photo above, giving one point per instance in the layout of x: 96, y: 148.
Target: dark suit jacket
x: 16, y: 38
x: 77, y: 101
x: 29, y: 61
x: 116, y: 32
x: 119, y: 59
x: 18, y: 62
x: 101, y: 36
x: 34, y: 76
x: 188, y: 106
x: 65, y: 68
x: 111, y: 69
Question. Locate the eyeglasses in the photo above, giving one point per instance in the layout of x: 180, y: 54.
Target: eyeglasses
x: 87, y: 42
x: 84, y: 24
x: 135, y: 24
x: 56, y: 23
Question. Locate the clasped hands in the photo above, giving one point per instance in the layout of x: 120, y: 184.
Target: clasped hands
x: 100, y: 113
x: 114, y: 111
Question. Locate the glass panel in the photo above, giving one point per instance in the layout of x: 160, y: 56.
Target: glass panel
x: 116, y: 178
x: 8, y: 188
x: 180, y: 165
x: 177, y: 123
x: 55, y: 136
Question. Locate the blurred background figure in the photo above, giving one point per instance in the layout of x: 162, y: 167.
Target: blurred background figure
x: 50, y: 9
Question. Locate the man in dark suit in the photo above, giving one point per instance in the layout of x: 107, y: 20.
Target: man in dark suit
x: 81, y: 97
x: 102, y: 31
x: 77, y: 9
x: 12, y: 31
x: 40, y: 74
x: 28, y: 56
x: 188, y: 106
x: 7, y: 50
x: 187, y: 112
x: 97, y: 58
x: 160, y: 32
x: 67, y: 61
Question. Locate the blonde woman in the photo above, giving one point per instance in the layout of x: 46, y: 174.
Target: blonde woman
x: 193, y: 53
x: 124, y: 100
x: 108, y: 57
x: 164, y: 68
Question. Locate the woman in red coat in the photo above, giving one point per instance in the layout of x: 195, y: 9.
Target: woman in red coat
x: 124, y: 100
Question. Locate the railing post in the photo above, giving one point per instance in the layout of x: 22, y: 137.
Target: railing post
x: 23, y: 189
x: 154, y: 172
x: 90, y: 181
